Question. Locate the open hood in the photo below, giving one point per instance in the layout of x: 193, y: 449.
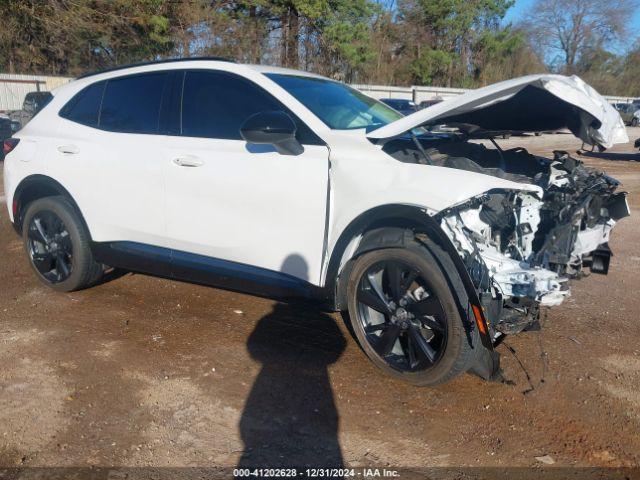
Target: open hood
x: 534, y: 103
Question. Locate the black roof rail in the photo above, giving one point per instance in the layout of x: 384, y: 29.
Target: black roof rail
x: 155, y: 62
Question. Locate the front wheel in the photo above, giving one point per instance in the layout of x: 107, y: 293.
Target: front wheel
x: 405, y: 316
x: 57, y: 244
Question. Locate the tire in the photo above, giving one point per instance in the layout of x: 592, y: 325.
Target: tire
x: 448, y: 336
x: 634, y: 122
x: 57, y: 245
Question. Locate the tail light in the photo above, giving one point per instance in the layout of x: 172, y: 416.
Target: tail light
x: 9, y: 144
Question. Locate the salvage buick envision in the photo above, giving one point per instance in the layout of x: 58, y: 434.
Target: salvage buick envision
x: 290, y: 185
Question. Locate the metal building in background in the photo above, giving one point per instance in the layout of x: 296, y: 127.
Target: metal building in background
x: 14, y: 87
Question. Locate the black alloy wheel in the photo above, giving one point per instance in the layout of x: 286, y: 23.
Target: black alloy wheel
x: 58, y: 244
x: 402, y: 318
x: 49, y: 246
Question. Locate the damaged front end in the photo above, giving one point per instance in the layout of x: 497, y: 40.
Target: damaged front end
x: 521, y: 248
x: 543, y: 222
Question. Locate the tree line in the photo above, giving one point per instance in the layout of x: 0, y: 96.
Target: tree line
x: 450, y: 43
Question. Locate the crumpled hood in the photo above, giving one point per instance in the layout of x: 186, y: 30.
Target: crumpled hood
x: 533, y: 103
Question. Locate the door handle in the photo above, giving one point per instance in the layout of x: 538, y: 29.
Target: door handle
x: 69, y: 149
x: 188, y: 161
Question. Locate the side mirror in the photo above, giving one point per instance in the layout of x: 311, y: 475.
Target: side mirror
x: 272, y: 128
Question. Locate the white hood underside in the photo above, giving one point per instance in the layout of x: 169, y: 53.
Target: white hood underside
x: 533, y: 103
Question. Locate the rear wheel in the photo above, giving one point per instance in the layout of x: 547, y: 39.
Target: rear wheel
x: 57, y: 245
x: 405, y: 316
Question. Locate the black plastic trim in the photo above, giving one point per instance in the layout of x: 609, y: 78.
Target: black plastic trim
x: 204, y: 270
x: 41, y: 181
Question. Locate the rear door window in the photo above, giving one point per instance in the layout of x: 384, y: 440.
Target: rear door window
x: 132, y: 104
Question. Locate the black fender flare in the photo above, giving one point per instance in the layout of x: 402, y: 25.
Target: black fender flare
x: 393, y: 226
x: 38, y: 186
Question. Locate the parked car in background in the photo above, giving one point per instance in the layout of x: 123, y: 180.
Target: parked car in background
x: 33, y: 103
x: 429, y: 103
x: 290, y: 185
x: 7, y: 128
x: 629, y: 112
x: 405, y: 107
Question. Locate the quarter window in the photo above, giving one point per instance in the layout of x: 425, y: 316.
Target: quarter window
x: 84, y: 107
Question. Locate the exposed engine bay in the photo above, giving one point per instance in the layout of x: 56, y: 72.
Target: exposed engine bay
x: 521, y: 247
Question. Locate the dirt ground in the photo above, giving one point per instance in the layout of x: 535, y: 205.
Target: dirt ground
x: 141, y: 371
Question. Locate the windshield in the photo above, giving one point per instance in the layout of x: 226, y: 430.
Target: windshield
x: 336, y: 104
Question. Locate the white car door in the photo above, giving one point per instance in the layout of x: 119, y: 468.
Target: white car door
x: 237, y: 202
x: 110, y: 158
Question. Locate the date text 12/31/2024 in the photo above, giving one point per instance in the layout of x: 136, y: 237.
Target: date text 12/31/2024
x: 315, y: 473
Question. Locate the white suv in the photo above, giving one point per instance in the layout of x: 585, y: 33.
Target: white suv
x: 294, y: 186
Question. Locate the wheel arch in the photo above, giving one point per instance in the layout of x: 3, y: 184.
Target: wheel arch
x: 393, y: 226
x: 38, y: 186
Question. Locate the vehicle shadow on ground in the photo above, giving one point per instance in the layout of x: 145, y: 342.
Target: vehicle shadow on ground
x: 290, y: 417
x: 110, y: 275
x: 621, y: 157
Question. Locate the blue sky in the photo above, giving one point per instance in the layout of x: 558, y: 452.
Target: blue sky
x: 522, y: 7
x: 518, y: 11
